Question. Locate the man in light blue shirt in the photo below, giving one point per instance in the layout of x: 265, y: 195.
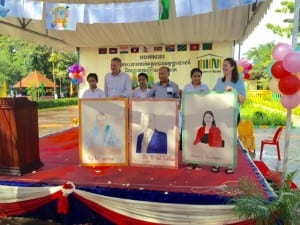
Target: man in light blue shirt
x: 117, y: 83
x: 164, y: 88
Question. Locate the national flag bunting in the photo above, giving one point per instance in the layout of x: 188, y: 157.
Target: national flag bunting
x: 135, y: 49
x: 102, y: 50
x: 113, y: 50
x: 170, y: 48
x: 207, y: 46
x: 194, y: 47
x: 158, y: 48
x: 181, y: 47
x: 147, y: 49
x: 124, y: 49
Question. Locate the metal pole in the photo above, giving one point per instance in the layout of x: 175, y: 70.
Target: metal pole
x: 289, y: 111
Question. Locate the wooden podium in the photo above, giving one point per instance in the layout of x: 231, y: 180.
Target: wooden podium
x: 19, y: 136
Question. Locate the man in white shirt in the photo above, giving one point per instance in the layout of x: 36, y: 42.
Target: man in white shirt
x: 117, y: 83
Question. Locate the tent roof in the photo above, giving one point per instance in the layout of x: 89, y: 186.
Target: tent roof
x: 234, y: 24
x: 34, y: 79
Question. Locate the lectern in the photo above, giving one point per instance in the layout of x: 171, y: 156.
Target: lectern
x: 19, y: 136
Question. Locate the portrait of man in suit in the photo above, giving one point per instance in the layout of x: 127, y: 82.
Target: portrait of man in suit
x: 150, y: 139
x: 103, y: 138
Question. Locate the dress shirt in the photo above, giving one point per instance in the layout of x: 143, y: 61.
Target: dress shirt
x: 117, y: 85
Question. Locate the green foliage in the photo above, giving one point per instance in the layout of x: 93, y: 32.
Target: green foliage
x: 283, y: 209
x: 265, y: 112
x: 288, y: 7
x: 45, y: 104
x: 19, y: 58
x: 261, y: 57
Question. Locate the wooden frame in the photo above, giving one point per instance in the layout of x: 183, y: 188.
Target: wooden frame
x: 103, y: 138
x: 219, y: 147
x: 156, y: 147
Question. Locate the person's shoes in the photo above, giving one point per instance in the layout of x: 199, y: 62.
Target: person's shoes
x: 229, y: 171
x: 197, y: 167
x: 190, y: 166
x: 215, y: 169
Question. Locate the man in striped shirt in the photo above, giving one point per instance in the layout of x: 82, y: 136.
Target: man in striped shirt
x: 117, y: 82
x: 164, y: 88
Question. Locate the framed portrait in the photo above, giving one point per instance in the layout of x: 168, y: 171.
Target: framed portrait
x: 153, y: 125
x: 103, y: 131
x: 209, y: 128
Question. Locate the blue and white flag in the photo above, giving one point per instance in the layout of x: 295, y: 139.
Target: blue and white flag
x: 227, y: 4
x: 192, y: 7
x: 30, y: 9
x: 61, y: 16
x: 127, y: 12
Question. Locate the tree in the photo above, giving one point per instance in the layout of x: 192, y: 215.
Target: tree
x: 19, y: 58
x: 288, y: 7
x: 261, y: 57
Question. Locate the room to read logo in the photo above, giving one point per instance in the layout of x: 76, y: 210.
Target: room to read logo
x: 210, y: 63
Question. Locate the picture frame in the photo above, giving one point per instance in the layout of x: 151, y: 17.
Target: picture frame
x: 218, y: 147
x: 153, y: 125
x: 103, y: 131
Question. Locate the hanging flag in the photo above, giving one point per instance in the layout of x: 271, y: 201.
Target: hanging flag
x: 102, y: 50
x: 113, y: 50
x: 42, y: 88
x: 170, y: 48
x: 71, y: 89
x: 124, y: 49
x: 227, y: 4
x: 3, y: 9
x: 60, y: 16
x: 165, y: 9
x: 135, y: 49
x: 147, y: 48
x: 4, y: 90
x: 192, y: 7
x: 207, y: 46
x: 194, y: 47
x: 181, y: 47
x: 158, y: 48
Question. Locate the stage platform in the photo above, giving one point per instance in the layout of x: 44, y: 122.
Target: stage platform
x: 64, y: 190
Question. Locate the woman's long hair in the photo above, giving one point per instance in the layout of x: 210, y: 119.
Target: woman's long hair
x: 212, y: 115
x: 235, y: 73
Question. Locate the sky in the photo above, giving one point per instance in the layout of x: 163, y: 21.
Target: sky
x: 261, y: 34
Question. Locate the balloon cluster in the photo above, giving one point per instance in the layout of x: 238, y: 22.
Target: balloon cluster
x: 76, y: 73
x: 244, y: 67
x: 286, y: 71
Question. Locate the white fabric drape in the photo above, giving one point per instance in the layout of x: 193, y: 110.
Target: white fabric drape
x: 162, y: 213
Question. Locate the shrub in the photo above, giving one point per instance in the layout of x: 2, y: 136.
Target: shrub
x: 52, y: 103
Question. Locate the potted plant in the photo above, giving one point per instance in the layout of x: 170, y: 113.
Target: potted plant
x: 283, y: 209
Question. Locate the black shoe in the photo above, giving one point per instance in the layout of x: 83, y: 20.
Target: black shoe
x: 229, y: 171
x: 215, y: 169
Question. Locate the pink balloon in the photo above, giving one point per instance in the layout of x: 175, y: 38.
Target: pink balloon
x: 290, y: 101
x: 281, y: 50
x: 291, y: 62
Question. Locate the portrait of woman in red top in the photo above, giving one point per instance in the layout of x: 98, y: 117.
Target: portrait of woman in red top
x: 209, y: 133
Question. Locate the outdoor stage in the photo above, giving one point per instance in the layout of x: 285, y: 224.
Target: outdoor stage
x: 122, y: 194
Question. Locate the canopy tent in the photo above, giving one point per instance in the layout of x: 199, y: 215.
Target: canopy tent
x: 34, y: 79
x: 233, y: 24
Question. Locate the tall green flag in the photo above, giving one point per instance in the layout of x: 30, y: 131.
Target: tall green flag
x: 4, y: 90
x: 42, y: 88
x: 165, y: 9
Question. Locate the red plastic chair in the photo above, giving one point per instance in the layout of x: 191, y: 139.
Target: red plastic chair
x: 274, y: 141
